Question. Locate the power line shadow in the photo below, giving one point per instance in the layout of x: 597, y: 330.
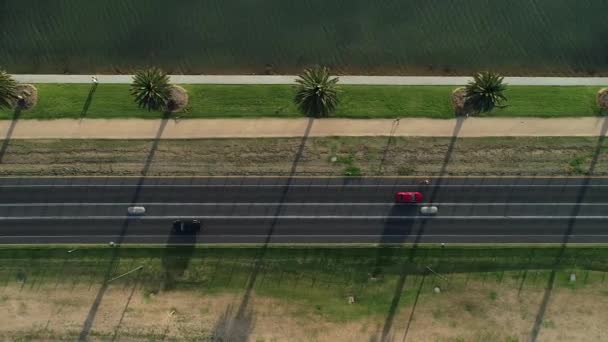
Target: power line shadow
x: 430, y: 197
x: 124, y: 311
x: 88, y: 101
x: 540, y: 315
x: 9, y: 133
x: 389, y: 142
x: 114, y: 258
x: 243, y: 311
x: 411, y: 316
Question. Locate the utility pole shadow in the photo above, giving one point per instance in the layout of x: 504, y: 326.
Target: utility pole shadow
x: 411, y: 316
x: 389, y: 142
x: 114, y: 258
x: 434, y: 189
x: 9, y: 133
x: 88, y: 101
x: 584, y: 187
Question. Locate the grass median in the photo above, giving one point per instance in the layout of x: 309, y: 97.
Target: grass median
x: 250, y: 101
x: 198, y: 292
x: 332, y: 156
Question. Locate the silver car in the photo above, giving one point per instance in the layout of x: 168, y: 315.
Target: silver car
x: 136, y: 210
x: 428, y: 210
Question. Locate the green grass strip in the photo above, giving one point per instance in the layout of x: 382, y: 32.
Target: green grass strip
x: 253, y: 101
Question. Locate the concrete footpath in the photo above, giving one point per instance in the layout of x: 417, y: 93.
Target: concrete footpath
x: 264, y: 127
x: 289, y: 79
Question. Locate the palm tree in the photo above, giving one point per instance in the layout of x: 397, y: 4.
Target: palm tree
x: 151, y: 89
x: 8, y: 90
x: 485, y: 92
x: 317, y: 94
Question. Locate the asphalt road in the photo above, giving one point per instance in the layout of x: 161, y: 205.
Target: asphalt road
x: 303, y: 210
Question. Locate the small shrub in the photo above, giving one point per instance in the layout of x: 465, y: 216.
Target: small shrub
x: 469, y: 307
x: 405, y: 171
x: 576, y: 165
x: 353, y: 171
x: 437, y: 313
x: 548, y: 324
x: 346, y: 160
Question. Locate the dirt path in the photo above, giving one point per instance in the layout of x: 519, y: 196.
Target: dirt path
x: 244, y: 128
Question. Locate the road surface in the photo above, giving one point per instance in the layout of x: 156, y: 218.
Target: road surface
x: 303, y: 210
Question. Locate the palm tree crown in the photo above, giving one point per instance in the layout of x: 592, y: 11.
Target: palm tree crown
x: 485, y: 92
x: 8, y: 90
x: 151, y: 89
x: 317, y: 94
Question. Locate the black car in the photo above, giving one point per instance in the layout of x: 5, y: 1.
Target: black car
x: 186, y: 226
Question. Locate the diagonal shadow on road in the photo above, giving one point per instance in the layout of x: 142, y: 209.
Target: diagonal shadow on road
x: 114, y: 258
x: 431, y: 196
x: 540, y: 315
x: 243, y: 312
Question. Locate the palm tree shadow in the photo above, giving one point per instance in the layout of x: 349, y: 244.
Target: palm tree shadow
x: 395, y: 232
x: 88, y: 101
x: 243, y: 312
x: 9, y: 133
x: 114, y: 257
x: 153, y: 149
x: 176, y: 257
x: 233, y: 327
x: 388, y: 322
x: 540, y: 315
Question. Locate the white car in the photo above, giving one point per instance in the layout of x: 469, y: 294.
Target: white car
x: 136, y: 210
x: 428, y: 210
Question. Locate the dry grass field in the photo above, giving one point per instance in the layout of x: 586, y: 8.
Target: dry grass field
x: 368, y: 156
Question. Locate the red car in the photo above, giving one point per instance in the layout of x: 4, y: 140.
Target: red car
x: 408, y: 197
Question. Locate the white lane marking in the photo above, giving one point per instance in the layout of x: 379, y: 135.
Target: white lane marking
x: 296, y: 204
x: 297, y: 217
x: 302, y: 186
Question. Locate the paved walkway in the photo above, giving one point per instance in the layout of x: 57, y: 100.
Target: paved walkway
x: 289, y: 79
x: 241, y: 128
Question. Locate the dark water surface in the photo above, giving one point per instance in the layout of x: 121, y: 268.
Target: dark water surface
x: 543, y: 37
